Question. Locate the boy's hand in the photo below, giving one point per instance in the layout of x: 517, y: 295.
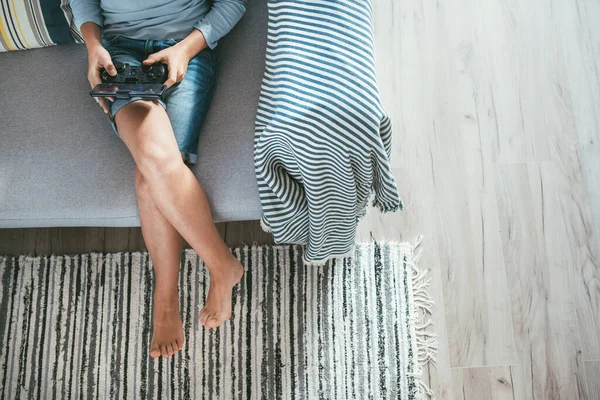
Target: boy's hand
x: 98, y: 58
x: 178, y: 56
x: 177, y: 60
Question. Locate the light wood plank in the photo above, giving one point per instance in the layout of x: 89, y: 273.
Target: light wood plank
x: 577, y: 152
x: 474, y: 279
x: 405, y: 34
x: 572, y: 238
x: 592, y: 369
x: 549, y: 362
x: 483, y: 383
x: 515, y: 78
x: 578, y: 27
x: 475, y: 288
x: 494, y: 66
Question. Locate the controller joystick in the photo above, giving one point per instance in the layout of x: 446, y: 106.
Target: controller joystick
x: 106, y: 77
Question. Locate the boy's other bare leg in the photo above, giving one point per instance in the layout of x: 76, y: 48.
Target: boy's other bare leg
x: 164, y: 244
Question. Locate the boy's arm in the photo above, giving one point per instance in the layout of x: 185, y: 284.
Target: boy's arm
x: 98, y: 57
x: 222, y: 17
x: 86, y: 11
x: 88, y: 18
x: 92, y: 35
x: 212, y: 27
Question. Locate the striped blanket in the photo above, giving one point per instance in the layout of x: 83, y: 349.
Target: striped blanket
x: 322, y: 138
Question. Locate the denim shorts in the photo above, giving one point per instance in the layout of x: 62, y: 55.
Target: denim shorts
x: 186, y: 102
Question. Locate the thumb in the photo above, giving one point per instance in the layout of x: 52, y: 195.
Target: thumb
x: 109, y: 67
x: 152, y: 58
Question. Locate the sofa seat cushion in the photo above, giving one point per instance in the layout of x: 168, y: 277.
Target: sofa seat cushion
x: 62, y: 165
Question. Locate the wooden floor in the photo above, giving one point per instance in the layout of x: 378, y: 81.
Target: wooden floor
x: 496, y: 110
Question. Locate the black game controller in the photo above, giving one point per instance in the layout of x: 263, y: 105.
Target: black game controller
x: 153, y: 74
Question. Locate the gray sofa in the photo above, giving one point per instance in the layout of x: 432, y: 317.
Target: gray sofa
x: 62, y: 165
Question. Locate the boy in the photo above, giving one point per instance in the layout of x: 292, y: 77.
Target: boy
x: 162, y: 137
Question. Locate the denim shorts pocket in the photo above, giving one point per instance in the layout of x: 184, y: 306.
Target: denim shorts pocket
x: 111, y: 39
x: 210, y: 54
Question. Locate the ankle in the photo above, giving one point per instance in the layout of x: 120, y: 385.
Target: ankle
x: 166, y: 296
x: 226, y: 271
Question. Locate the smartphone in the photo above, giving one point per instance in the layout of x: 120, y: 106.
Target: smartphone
x: 128, y: 90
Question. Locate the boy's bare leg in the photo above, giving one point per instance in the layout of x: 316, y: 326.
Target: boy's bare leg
x: 147, y: 132
x: 164, y: 244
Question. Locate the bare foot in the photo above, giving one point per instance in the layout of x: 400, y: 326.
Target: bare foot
x: 218, y: 303
x: 167, y: 338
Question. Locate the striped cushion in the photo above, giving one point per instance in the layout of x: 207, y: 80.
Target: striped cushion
x: 28, y: 24
x: 322, y: 139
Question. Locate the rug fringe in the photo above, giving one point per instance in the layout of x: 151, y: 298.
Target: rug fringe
x: 426, y: 340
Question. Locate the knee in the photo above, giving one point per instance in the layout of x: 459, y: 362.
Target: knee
x: 154, y: 162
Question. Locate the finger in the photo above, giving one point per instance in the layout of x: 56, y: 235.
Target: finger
x: 153, y: 58
x: 170, y: 82
x: 172, y: 77
x: 104, y: 106
x: 108, y: 66
x: 94, y: 78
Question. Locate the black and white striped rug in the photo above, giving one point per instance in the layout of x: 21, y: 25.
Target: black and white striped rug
x: 78, y: 327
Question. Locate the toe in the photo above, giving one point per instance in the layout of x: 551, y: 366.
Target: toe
x: 170, y: 350
x: 213, y: 322
x: 207, y: 317
x: 154, y: 351
x: 164, y: 351
x: 176, y: 348
x: 179, y: 344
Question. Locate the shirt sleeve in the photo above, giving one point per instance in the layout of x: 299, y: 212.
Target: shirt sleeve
x: 222, y: 17
x: 86, y: 11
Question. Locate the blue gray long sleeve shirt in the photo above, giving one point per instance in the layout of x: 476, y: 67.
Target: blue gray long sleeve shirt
x: 160, y: 19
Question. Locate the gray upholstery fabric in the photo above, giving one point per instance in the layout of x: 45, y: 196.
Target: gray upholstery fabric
x: 61, y: 164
